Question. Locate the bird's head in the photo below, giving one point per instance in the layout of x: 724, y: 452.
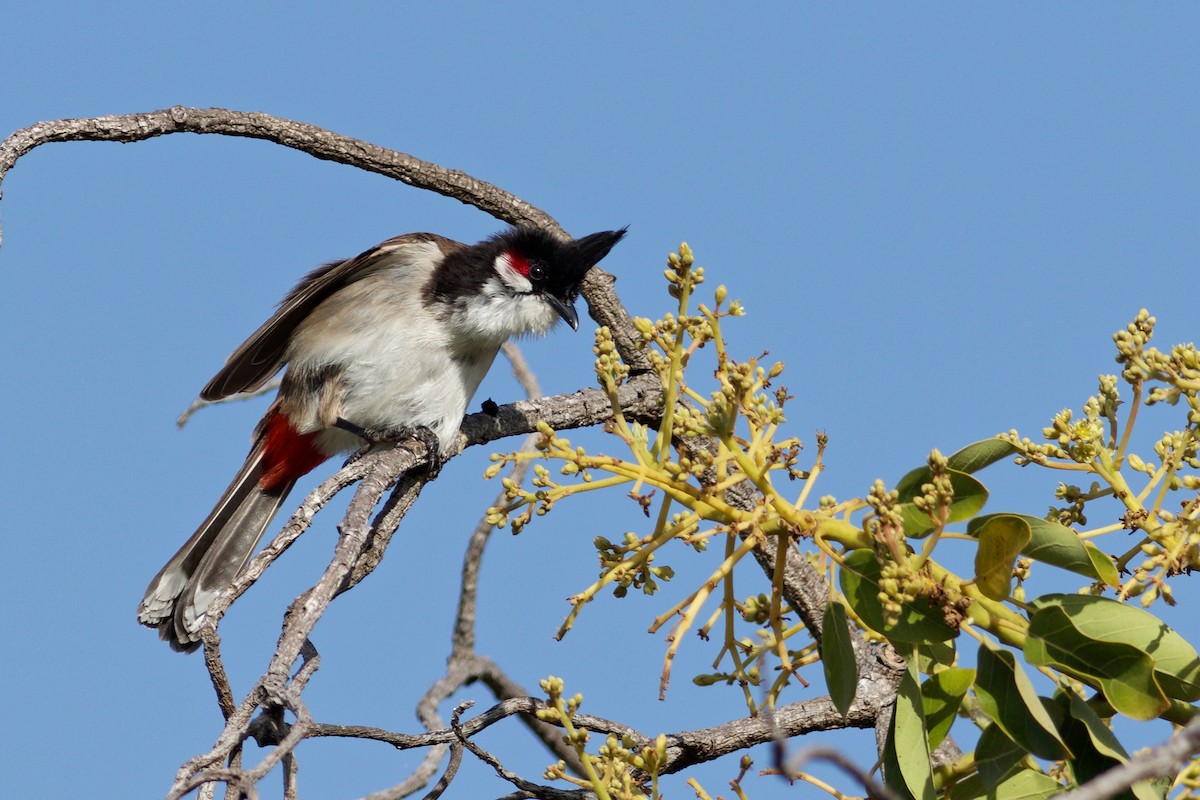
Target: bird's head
x: 531, y: 263
x: 520, y: 281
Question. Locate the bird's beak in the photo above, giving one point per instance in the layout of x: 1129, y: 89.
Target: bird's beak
x: 565, y: 310
x: 581, y: 255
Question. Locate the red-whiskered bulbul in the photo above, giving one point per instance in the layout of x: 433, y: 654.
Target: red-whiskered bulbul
x: 397, y: 338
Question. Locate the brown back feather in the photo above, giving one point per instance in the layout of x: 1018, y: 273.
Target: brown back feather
x: 259, y: 357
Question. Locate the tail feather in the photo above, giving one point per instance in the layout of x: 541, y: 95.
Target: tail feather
x: 179, y: 595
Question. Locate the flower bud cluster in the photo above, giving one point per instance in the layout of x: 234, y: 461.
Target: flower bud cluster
x: 1108, y: 399
x: 681, y: 274
x: 899, y: 583
x: 611, y: 772
x: 1077, y: 499
x: 755, y: 609
x: 1172, y: 547
x: 611, y: 371
x: 1081, y: 440
x: 1178, y: 371
x: 937, y: 495
x: 1131, y: 343
x: 548, y: 491
x: 631, y: 566
x: 887, y: 524
x: 1097, y: 443
x: 1030, y: 451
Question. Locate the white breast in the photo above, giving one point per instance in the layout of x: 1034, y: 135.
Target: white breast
x: 395, y: 359
x: 402, y: 365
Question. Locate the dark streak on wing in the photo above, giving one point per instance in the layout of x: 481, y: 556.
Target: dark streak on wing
x: 259, y: 357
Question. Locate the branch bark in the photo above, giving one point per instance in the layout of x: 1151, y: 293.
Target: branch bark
x: 315, y: 141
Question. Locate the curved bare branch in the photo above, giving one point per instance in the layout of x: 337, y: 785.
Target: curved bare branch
x: 311, y: 139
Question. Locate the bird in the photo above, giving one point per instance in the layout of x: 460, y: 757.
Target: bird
x: 397, y: 338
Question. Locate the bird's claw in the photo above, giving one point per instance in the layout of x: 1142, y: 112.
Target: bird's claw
x: 421, y: 433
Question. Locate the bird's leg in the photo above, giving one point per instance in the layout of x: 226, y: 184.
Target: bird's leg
x: 361, y: 433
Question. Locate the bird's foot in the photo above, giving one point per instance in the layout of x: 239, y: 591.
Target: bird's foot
x: 433, y: 447
x: 391, y: 436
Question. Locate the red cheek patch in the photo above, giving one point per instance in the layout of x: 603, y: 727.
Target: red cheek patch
x: 519, y: 263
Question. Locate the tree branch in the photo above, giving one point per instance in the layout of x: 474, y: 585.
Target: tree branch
x: 311, y: 139
x: 400, y: 472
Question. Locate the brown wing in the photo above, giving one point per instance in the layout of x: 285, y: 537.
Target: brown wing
x: 262, y: 355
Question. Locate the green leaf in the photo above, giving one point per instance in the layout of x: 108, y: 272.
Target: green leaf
x: 918, y: 622
x: 1027, y: 784
x: 1024, y: 784
x: 1122, y: 672
x: 910, y: 770
x: 837, y: 656
x: 892, y: 778
x: 978, y: 455
x: 1095, y: 747
x: 1008, y: 698
x: 1001, y: 539
x: 1176, y: 663
x: 1106, y: 570
x: 969, y: 497
x: 941, y: 695
x: 931, y: 655
x: 996, y: 755
x: 1055, y: 544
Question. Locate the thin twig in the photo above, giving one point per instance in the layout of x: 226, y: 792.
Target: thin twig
x: 534, y: 789
x: 200, y: 402
x: 796, y: 762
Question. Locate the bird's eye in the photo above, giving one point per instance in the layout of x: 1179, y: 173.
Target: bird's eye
x: 537, y: 271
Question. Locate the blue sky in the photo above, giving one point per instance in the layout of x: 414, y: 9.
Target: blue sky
x: 935, y: 215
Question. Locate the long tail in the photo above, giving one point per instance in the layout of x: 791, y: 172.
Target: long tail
x: 179, y: 595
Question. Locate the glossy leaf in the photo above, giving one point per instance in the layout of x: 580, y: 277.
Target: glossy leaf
x: 910, y: 770
x: 1055, y: 544
x: 969, y: 498
x: 931, y: 655
x: 1106, y: 570
x: 996, y: 755
x: 1176, y: 663
x: 978, y: 455
x: 918, y: 622
x: 837, y: 657
x: 1095, y: 747
x: 1122, y: 672
x: 1001, y: 539
x: 1024, y: 784
x: 1027, y: 784
x: 941, y: 696
x: 1008, y: 698
x: 892, y: 778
